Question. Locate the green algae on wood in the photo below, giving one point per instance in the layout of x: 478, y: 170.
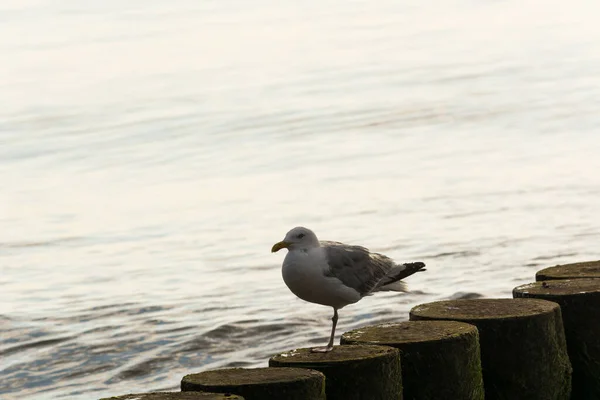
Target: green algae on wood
x: 439, y: 359
x: 579, y: 300
x: 589, y: 269
x: 177, y: 396
x: 522, y: 341
x: 260, y: 383
x: 351, y: 372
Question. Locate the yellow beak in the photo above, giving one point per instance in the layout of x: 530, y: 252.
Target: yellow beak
x: 278, y: 246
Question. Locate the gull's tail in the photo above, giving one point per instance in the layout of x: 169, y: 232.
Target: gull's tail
x: 392, y: 281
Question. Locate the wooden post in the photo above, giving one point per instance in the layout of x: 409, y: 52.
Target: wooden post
x: 590, y: 269
x: 351, y: 372
x: 579, y: 300
x: 260, y: 383
x: 523, y: 347
x: 439, y: 359
x: 177, y: 396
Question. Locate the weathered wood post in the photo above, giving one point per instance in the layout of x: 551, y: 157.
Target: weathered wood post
x: 259, y: 383
x: 579, y: 300
x: 439, y: 359
x: 523, y: 347
x: 351, y: 372
x: 590, y: 269
x: 177, y: 396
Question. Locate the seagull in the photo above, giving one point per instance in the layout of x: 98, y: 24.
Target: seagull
x: 336, y: 274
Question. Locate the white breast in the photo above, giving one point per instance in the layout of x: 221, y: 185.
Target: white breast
x: 304, y: 273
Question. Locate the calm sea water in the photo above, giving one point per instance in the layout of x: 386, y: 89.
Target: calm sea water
x: 151, y: 153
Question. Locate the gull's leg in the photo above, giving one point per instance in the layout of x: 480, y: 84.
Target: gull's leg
x: 329, y: 347
x: 334, y: 320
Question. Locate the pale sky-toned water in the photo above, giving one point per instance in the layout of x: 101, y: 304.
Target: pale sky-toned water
x: 151, y: 153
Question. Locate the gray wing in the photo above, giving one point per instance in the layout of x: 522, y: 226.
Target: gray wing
x: 356, y: 267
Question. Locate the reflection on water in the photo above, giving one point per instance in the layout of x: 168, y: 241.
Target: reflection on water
x: 152, y: 153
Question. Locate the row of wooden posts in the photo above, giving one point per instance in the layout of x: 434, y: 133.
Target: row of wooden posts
x: 543, y: 344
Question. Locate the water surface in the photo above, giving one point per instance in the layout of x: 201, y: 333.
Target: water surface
x: 151, y: 153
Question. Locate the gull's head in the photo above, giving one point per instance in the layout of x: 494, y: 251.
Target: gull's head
x: 297, y: 238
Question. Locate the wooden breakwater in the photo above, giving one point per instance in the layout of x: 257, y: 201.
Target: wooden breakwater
x: 543, y: 344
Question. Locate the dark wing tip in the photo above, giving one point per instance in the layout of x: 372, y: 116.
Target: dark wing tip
x: 411, y: 268
x: 408, y: 270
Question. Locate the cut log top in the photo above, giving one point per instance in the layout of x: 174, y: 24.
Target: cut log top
x: 177, y: 396
x: 439, y: 359
x: 590, y: 269
x: 242, y: 376
x: 560, y: 287
x: 259, y: 383
x: 340, y: 354
x: 483, y: 309
x: 409, y: 332
x: 351, y: 372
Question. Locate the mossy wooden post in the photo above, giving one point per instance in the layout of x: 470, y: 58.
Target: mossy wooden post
x: 351, y: 372
x: 177, y: 396
x: 590, y: 269
x: 439, y: 359
x: 259, y: 383
x: 523, y: 347
x: 579, y: 301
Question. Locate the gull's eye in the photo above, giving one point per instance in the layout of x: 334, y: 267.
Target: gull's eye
x: 301, y: 235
